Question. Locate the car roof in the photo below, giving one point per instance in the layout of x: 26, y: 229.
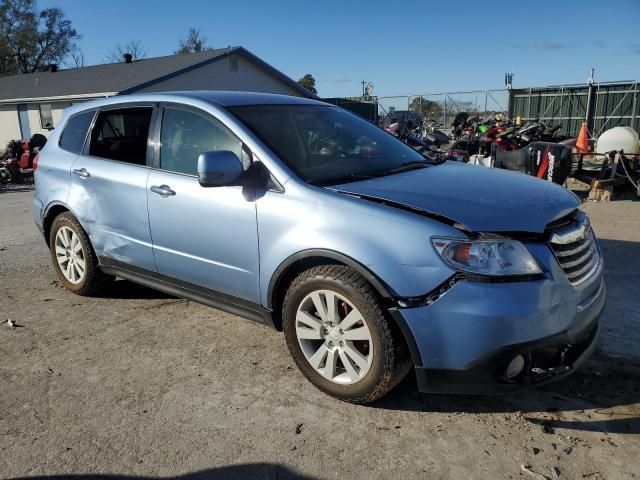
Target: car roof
x: 221, y: 98
x: 228, y: 98
x: 197, y: 98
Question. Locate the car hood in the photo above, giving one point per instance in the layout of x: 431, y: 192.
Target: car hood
x: 482, y: 199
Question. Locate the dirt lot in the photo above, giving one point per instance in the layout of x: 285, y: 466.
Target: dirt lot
x: 140, y: 383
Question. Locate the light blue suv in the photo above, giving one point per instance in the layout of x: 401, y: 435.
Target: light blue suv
x: 297, y: 214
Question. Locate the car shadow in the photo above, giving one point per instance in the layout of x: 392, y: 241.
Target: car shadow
x: 620, y: 193
x: 621, y: 317
x: 608, y: 388
x: 121, y: 289
x: 605, y: 384
x: 247, y: 471
x: 16, y: 189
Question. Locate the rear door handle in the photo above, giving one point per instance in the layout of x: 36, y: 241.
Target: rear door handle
x: 82, y: 172
x: 163, y: 190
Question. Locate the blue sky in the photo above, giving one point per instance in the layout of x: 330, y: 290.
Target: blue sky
x: 406, y: 47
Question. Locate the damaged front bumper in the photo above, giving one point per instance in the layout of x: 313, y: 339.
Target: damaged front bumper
x: 465, y: 341
x: 545, y: 361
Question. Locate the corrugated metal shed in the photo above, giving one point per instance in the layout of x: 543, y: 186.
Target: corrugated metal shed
x: 614, y: 104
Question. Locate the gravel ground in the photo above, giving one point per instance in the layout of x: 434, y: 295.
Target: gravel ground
x: 138, y: 383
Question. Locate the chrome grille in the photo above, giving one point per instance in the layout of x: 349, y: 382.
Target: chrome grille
x: 576, y: 249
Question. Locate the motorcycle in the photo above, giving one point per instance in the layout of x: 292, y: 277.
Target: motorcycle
x: 427, y: 145
x: 540, y: 132
x: 433, y: 134
x: 16, y: 165
x: 534, y: 149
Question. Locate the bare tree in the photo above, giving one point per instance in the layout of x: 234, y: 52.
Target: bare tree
x: 77, y: 57
x: 194, y: 43
x: 134, y: 47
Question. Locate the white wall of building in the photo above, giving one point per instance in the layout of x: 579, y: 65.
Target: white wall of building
x: 9, y: 126
x: 57, y: 109
x: 219, y: 76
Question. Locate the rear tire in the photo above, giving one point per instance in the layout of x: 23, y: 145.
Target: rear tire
x: 73, y: 257
x: 339, y: 336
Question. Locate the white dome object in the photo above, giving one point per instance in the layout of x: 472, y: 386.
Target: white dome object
x: 619, y: 138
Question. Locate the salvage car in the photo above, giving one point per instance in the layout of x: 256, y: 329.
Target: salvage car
x: 372, y: 259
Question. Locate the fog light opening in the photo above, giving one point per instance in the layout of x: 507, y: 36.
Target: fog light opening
x: 515, y: 367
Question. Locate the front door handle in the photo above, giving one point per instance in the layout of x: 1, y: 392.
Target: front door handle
x: 82, y: 172
x: 163, y: 190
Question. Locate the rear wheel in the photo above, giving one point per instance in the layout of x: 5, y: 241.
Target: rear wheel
x: 339, y: 336
x: 73, y: 257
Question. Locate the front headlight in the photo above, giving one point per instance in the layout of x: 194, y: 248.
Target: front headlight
x: 491, y: 257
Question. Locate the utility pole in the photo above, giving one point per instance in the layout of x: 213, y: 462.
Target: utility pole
x: 508, y: 85
x: 588, y: 118
x: 363, y: 82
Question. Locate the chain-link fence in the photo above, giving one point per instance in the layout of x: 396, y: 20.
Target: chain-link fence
x: 443, y: 107
x: 612, y: 104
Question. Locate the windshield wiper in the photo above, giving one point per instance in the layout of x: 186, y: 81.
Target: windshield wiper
x: 405, y: 167
x: 349, y: 177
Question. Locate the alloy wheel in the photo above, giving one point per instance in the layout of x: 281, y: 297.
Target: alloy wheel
x: 334, y: 337
x: 70, y: 255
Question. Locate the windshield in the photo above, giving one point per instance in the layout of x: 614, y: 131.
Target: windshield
x: 326, y: 145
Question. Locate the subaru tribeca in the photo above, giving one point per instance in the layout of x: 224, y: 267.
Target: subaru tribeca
x: 294, y: 213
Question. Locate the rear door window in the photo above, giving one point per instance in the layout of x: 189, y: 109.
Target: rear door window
x: 122, y: 135
x: 75, y: 132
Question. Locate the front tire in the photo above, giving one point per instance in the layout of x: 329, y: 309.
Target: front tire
x: 73, y: 257
x: 339, y: 336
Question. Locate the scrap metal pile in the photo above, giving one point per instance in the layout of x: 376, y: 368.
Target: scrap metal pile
x: 534, y: 148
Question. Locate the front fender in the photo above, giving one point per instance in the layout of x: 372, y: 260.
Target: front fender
x: 389, y: 244
x: 381, y: 287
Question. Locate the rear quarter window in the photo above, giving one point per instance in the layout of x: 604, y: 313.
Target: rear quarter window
x: 75, y: 132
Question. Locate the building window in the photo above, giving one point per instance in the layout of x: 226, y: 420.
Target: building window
x: 46, y: 119
x: 233, y: 63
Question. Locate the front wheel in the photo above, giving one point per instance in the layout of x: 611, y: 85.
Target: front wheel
x: 339, y: 336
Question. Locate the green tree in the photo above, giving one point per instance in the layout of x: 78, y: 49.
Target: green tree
x: 194, y: 43
x: 425, y: 108
x: 31, y: 40
x: 308, y: 82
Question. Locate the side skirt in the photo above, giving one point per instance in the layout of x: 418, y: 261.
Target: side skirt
x: 221, y: 301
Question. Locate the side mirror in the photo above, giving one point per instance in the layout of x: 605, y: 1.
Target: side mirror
x: 217, y: 169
